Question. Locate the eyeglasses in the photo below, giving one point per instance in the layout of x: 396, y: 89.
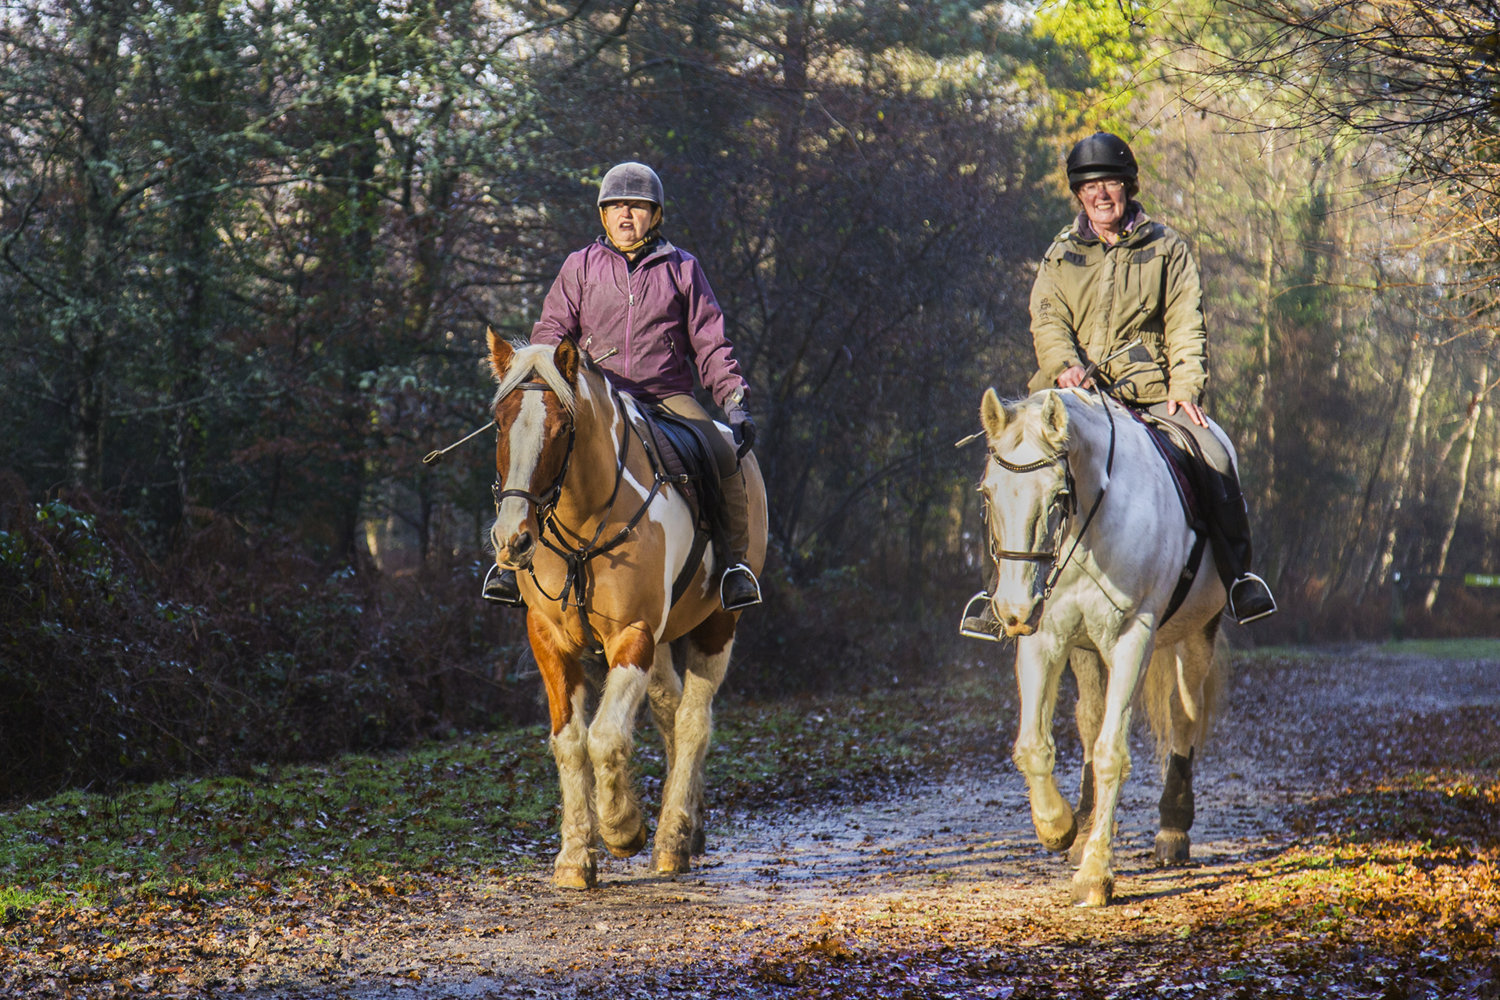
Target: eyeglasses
x: 1093, y: 188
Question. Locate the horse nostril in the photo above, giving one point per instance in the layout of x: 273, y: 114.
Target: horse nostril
x: 523, y: 541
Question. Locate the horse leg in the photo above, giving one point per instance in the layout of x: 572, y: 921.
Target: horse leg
x: 1193, y: 662
x: 575, y: 866
x: 631, y: 653
x: 1088, y: 671
x: 1038, y: 671
x: 664, y: 694
x: 1094, y: 882
x: 679, y: 832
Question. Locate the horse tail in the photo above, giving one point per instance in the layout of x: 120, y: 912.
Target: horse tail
x: 1184, y: 683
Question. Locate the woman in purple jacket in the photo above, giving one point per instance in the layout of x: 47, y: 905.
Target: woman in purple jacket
x: 634, y: 292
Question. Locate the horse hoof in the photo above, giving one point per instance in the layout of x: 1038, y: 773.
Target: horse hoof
x: 631, y: 847
x: 700, y: 845
x: 575, y: 877
x: 671, y: 862
x: 1058, y: 842
x: 1173, y: 847
x: 1093, y: 893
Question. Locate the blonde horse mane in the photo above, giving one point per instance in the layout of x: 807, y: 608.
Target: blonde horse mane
x: 535, y: 361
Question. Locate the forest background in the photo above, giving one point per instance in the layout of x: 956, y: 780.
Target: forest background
x: 248, y: 251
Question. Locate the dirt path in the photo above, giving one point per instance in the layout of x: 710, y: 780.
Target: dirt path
x: 948, y: 877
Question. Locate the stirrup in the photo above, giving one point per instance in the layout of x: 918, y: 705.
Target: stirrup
x: 744, y: 600
x: 979, y: 623
x: 1255, y: 600
x: 500, y: 587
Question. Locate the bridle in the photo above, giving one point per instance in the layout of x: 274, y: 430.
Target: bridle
x: 574, y: 549
x: 1070, y: 508
x: 545, y: 502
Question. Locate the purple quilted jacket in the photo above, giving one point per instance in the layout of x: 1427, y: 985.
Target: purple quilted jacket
x: 662, y: 317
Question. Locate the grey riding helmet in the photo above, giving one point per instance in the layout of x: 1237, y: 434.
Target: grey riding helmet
x: 1098, y: 156
x: 631, y: 181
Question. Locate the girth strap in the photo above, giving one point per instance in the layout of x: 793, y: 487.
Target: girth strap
x: 1189, y: 573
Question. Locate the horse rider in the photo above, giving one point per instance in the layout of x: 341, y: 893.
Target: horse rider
x: 644, y: 309
x: 1121, y: 290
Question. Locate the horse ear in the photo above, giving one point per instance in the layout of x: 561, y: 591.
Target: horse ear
x: 1055, y: 420
x: 566, y: 358
x: 992, y: 415
x: 500, y: 353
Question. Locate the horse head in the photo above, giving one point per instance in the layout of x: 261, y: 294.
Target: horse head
x: 535, y: 412
x: 1028, y: 494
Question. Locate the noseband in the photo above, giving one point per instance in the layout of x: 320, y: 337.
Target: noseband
x: 543, y: 502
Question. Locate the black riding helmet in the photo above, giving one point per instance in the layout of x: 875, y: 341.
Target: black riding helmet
x: 1101, y: 155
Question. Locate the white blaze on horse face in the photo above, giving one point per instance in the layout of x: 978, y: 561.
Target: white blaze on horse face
x: 527, y: 435
x: 1025, y: 510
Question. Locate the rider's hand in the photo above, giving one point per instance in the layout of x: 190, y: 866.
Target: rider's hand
x: 742, y: 426
x: 1193, y: 410
x: 1074, y: 377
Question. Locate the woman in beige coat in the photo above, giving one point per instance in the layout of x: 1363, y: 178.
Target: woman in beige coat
x: 1120, y: 290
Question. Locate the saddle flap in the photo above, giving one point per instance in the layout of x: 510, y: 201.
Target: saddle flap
x: 1185, y: 462
x: 681, y: 452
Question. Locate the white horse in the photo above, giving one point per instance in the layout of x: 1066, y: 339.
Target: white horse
x: 1091, y: 543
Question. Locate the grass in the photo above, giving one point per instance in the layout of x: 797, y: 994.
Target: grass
x: 478, y: 802
x: 1446, y: 649
x: 463, y: 802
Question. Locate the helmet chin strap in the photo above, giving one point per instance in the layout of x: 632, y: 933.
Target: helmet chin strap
x: 653, y: 230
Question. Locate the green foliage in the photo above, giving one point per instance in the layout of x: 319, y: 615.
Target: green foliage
x: 114, y: 669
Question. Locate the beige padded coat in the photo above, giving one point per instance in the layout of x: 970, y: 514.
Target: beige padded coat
x: 1091, y: 299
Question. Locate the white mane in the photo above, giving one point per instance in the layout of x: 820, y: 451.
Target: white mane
x: 534, y: 361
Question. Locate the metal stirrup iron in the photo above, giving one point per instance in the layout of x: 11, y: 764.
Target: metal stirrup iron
x: 972, y: 624
x: 745, y: 571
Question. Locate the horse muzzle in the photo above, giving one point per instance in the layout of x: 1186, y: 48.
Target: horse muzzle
x: 514, y: 552
x: 1018, y: 620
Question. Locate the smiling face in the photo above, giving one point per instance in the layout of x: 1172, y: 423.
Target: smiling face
x: 627, y: 222
x: 1104, y: 203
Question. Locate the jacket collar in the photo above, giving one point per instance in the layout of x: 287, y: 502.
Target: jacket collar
x: 661, y: 248
x: 1082, y: 231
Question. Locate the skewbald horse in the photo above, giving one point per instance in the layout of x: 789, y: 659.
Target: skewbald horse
x: 1090, y: 541
x: 598, y: 541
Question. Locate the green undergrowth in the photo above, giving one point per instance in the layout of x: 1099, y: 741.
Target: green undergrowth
x: 477, y: 802
x: 1446, y: 649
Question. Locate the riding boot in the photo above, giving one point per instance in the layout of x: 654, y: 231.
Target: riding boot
x: 1229, y: 532
x: 738, y: 587
x: 501, y: 586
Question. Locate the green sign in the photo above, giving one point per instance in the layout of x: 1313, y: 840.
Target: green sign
x: 1482, y: 579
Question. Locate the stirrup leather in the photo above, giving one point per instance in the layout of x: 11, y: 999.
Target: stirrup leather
x: 978, y: 622
x: 1250, y: 580
x: 495, y: 590
x: 743, y: 572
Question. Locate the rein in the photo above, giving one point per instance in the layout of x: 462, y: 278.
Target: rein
x: 576, y: 551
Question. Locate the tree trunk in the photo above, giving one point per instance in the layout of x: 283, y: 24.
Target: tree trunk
x: 1465, y: 458
x: 1417, y: 380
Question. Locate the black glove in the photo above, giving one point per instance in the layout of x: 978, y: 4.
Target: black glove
x: 742, y: 425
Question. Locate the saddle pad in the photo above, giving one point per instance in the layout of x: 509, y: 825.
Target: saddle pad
x: 1184, y: 462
